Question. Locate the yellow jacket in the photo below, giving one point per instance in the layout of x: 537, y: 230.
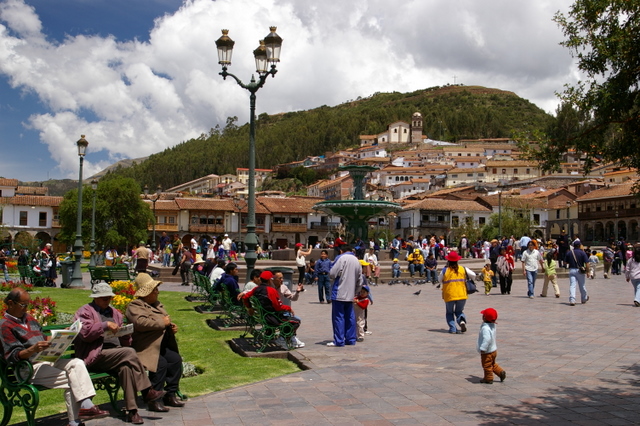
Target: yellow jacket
x: 416, y: 259
x: 453, y: 285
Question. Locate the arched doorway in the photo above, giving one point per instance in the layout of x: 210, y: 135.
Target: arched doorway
x: 634, y: 235
x: 598, y: 231
x: 622, y: 230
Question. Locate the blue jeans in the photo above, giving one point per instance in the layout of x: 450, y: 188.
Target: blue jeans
x: 454, y: 312
x: 432, y: 275
x: 344, y: 323
x: 419, y: 267
x: 6, y: 273
x: 395, y: 273
x: 324, y: 289
x: 636, y: 290
x: 166, y: 259
x: 575, y: 277
x: 531, y: 282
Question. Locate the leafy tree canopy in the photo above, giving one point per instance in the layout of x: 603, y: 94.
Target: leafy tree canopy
x: 514, y: 222
x: 121, y: 215
x: 600, y: 114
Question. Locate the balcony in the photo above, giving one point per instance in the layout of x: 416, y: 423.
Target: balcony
x: 165, y: 227
x: 55, y: 223
x: 433, y: 224
x: 207, y: 229
x: 289, y: 227
x: 609, y: 215
x: 324, y: 226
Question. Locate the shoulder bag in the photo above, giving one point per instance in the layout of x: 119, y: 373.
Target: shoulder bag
x: 581, y: 268
x: 471, y: 286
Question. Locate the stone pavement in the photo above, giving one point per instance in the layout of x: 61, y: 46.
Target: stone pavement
x: 565, y: 365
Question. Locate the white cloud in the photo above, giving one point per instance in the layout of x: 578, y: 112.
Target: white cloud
x: 135, y: 98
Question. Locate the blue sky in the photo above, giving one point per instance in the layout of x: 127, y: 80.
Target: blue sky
x: 138, y: 76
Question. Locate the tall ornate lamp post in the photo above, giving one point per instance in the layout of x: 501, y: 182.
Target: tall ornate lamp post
x: 92, y: 245
x: 78, y: 247
x: 569, y: 221
x: 268, y: 52
x: 153, y: 200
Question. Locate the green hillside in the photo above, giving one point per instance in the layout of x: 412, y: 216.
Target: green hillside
x: 455, y: 112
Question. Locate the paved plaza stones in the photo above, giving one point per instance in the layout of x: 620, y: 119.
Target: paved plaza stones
x: 565, y: 365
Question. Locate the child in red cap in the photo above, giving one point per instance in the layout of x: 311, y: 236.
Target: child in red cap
x: 488, y: 348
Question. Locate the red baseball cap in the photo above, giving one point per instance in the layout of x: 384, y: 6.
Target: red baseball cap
x: 490, y: 315
x: 266, y: 275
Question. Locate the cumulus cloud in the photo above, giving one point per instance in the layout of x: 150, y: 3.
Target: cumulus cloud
x: 134, y: 98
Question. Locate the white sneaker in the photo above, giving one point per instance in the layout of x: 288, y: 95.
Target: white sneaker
x: 368, y: 332
x: 331, y: 344
x: 297, y: 343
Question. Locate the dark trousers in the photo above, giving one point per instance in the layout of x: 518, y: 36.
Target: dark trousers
x: 324, y: 289
x: 505, y: 283
x: 124, y: 363
x: 184, y: 272
x: 344, y: 323
x: 168, y: 372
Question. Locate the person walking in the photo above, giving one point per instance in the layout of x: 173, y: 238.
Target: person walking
x: 550, y: 275
x: 454, y: 292
x: 505, y: 265
x: 632, y: 273
x: 488, y: 348
x: 578, y: 263
x: 531, y: 260
x: 346, y: 276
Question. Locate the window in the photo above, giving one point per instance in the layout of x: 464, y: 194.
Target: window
x: 504, y: 171
x: 194, y: 220
x: 23, y: 218
x: 480, y: 174
x: 440, y: 218
x: 481, y: 220
x: 455, y: 221
x: 469, y: 174
x: 454, y: 176
x: 172, y: 219
x: 536, y: 219
x: 528, y: 171
x: 42, y: 219
x: 515, y: 171
x: 495, y: 171
x: 296, y: 220
x: 558, y: 214
x: 279, y: 219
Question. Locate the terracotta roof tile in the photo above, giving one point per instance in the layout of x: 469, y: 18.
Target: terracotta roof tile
x: 8, y: 182
x: 297, y: 205
x: 32, y: 190
x: 210, y: 204
x: 439, y: 204
x: 32, y: 200
x: 621, y: 190
x: 164, y: 205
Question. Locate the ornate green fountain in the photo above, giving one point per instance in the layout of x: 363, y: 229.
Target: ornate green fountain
x: 358, y: 211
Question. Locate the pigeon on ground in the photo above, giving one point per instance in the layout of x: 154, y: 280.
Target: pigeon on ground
x: 417, y: 292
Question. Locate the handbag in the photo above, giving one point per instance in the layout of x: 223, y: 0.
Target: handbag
x: 471, y: 286
x: 581, y: 268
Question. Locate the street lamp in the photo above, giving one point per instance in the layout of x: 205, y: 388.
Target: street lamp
x: 268, y: 52
x: 568, y: 221
x: 500, y: 213
x: 153, y: 200
x: 92, y: 246
x: 78, y: 247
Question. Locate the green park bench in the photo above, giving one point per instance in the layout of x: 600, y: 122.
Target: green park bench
x: 27, y: 275
x: 16, y: 390
x: 109, y: 274
x: 265, y: 329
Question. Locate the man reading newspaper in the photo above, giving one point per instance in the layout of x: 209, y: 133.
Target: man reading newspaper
x: 22, y: 339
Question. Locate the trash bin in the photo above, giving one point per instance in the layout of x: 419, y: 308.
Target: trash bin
x: 66, y: 270
x: 287, y: 279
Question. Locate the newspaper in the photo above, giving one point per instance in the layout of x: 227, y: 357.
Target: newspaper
x: 122, y: 331
x: 59, y: 342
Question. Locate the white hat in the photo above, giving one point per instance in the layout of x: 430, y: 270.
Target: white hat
x: 226, y: 235
x: 101, y: 290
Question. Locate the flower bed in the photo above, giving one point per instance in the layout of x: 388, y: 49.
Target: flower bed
x: 42, y: 309
x: 124, y: 291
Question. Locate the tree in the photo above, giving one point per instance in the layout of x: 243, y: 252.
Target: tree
x: 122, y: 217
x: 514, y: 222
x: 603, y: 36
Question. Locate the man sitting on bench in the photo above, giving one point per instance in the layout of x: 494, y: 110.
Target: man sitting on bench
x: 22, y: 338
x: 270, y: 301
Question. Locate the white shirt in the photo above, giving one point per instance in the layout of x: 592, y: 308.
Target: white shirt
x: 531, y: 260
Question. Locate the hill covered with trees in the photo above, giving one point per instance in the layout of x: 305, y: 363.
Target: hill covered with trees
x: 449, y: 113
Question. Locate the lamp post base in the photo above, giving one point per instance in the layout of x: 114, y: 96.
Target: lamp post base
x: 76, y: 278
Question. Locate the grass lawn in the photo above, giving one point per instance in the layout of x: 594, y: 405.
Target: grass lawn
x: 199, y: 344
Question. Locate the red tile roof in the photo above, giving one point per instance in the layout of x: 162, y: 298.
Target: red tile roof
x: 612, y: 191
x: 8, y: 182
x: 439, y: 204
x: 32, y: 200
